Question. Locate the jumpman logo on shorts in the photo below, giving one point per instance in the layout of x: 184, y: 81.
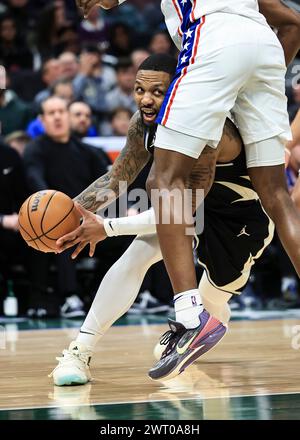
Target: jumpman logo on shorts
x: 243, y: 232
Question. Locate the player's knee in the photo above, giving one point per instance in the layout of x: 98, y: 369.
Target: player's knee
x: 165, y: 181
x: 274, y: 202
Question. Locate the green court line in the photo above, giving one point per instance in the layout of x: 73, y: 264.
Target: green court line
x: 262, y: 407
x: 48, y: 324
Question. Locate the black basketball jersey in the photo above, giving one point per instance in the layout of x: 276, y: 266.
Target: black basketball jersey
x: 236, y: 228
x: 149, y: 137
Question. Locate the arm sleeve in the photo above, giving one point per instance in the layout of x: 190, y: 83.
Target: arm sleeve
x: 140, y: 224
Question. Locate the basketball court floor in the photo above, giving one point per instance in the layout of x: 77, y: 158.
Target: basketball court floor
x: 252, y: 374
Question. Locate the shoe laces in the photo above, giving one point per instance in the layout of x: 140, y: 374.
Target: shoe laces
x: 169, y: 339
x: 69, y: 357
x: 166, y: 337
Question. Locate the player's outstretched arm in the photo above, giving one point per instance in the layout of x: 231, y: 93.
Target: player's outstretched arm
x: 126, y: 168
x: 88, y: 5
x: 287, y: 21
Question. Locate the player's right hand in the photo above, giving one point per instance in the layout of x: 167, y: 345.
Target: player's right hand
x: 88, y: 5
x: 91, y: 231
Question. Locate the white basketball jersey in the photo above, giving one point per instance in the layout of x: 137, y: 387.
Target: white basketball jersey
x: 177, y: 12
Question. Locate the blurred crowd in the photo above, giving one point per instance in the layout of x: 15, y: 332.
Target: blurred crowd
x: 67, y: 80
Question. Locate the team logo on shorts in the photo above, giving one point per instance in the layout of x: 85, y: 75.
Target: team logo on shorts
x: 243, y: 232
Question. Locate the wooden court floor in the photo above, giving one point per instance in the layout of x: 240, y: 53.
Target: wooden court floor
x: 252, y: 374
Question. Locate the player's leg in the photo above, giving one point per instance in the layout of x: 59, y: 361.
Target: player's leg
x: 116, y: 294
x: 262, y: 118
x: 200, y: 97
x: 194, y: 327
x: 171, y: 172
x: 270, y: 184
x: 215, y: 302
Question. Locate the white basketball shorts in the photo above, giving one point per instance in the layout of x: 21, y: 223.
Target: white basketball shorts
x: 228, y: 64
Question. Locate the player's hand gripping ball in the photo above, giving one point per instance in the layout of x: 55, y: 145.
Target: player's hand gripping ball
x: 45, y: 217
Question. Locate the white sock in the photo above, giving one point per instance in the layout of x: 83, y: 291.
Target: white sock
x: 119, y: 289
x: 188, y: 306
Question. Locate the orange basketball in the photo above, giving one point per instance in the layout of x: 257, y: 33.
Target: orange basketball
x: 45, y: 217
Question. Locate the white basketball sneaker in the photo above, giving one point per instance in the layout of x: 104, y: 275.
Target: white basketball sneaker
x: 73, y: 367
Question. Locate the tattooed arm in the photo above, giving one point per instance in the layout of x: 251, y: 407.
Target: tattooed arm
x: 105, y: 190
x: 287, y: 21
x: 126, y: 167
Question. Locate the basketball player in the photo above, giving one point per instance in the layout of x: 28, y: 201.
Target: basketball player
x: 230, y: 60
x: 236, y: 230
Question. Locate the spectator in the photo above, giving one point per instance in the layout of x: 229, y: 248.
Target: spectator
x: 63, y: 88
x: 13, y: 192
x: 129, y: 16
x: 161, y: 43
x: 138, y: 56
x: 121, y: 40
x: 20, y: 11
x: 18, y: 141
x: 120, y: 120
x: 68, y: 40
x: 94, y: 80
x: 15, y: 55
x: 50, y: 22
x: 81, y: 120
x: 122, y: 95
x: 51, y: 72
x: 94, y: 29
x: 61, y: 161
x: 14, y: 113
x: 69, y: 65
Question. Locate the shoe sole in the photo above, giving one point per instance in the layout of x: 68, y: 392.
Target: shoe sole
x: 71, y: 380
x: 203, y: 348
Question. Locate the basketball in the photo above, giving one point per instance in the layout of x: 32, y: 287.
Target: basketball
x: 45, y: 217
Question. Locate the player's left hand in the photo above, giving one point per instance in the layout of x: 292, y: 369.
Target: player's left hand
x: 91, y: 231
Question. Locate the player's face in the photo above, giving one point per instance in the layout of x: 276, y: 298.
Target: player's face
x: 149, y: 92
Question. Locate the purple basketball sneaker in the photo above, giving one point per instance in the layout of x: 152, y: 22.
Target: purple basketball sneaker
x: 186, y: 345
